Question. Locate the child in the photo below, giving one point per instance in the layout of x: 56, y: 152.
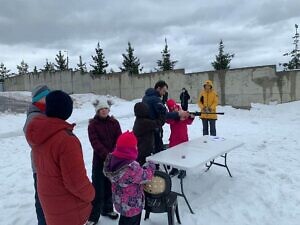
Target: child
x: 127, y: 178
x: 144, y: 129
x: 207, y: 102
x: 179, y: 132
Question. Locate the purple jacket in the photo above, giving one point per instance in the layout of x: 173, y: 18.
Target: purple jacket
x: 127, y: 185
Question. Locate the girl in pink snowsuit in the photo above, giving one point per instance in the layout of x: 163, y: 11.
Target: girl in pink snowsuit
x: 179, y: 131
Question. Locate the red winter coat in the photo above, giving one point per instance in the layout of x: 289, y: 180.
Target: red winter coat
x: 64, y: 189
x: 103, y: 135
x: 179, y: 131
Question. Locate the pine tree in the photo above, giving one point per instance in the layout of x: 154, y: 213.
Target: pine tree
x: 22, y: 68
x: 3, y: 72
x: 61, y: 62
x: 166, y: 63
x: 294, y: 63
x: 48, y: 67
x: 130, y: 63
x: 223, y: 60
x: 99, y: 61
x: 81, y: 66
x: 35, y: 71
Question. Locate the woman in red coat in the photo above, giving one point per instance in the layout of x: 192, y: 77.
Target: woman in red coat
x: 64, y: 189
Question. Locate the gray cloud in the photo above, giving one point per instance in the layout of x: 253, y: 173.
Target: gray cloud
x: 257, y: 31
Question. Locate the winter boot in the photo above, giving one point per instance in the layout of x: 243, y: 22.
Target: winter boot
x: 112, y: 215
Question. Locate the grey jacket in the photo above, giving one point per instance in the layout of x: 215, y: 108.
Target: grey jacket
x: 32, y: 112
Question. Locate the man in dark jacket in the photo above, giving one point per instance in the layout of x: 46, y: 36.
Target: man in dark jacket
x: 103, y: 131
x: 184, y: 99
x: 158, y: 110
x: 144, y: 129
x: 36, y: 108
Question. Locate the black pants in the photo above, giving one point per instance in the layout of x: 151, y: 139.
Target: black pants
x: 103, y: 199
x: 184, y: 106
x: 158, y: 143
x: 135, y: 220
x: 38, y: 207
x: 212, y: 126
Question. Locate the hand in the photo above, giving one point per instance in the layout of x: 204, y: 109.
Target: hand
x: 183, y: 114
x: 192, y: 116
x: 206, y: 110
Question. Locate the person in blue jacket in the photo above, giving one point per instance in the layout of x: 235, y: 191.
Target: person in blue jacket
x: 157, y: 110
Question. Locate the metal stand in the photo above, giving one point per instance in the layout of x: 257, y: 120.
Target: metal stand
x: 219, y: 164
x: 181, y: 176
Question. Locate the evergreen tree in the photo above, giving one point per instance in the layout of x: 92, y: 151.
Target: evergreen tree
x: 61, y: 62
x: 294, y: 63
x: 166, y: 63
x: 81, y: 66
x: 22, y: 68
x: 223, y: 60
x: 99, y: 61
x: 48, y: 67
x: 130, y: 63
x: 3, y: 72
x: 35, y: 70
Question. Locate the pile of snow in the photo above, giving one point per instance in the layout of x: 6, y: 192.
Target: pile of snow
x: 266, y: 176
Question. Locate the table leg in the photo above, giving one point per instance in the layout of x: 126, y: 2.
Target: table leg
x: 219, y: 164
x: 182, y: 194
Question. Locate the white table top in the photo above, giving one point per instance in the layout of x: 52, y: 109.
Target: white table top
x: 195, y: 153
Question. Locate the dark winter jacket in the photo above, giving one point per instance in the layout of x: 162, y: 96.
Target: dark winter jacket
x: 32, y: 112
x: 64, y: 189
x: 144, y: 129
x: 156, y: 107
x: 103, y: 135
x: 184, y: 99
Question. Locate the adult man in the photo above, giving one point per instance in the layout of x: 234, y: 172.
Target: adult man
x: 37, y: 107
x: 157, y: 110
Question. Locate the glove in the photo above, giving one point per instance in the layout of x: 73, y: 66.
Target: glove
x: 206, y: 110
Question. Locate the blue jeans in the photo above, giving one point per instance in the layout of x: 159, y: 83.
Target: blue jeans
x: 38, y: 207
x: 212, y: 126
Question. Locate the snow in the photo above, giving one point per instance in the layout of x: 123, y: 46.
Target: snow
x: 264, y: 189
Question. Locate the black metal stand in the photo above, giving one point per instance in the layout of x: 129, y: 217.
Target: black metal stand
x: 181, y: 176
x: 219, y: 164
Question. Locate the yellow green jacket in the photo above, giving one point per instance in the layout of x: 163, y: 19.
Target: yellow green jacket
x: 208, y: 99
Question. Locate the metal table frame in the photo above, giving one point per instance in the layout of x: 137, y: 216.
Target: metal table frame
x: 182, y: 175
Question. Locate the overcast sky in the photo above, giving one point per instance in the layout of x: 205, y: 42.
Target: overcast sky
x: 257, y: 31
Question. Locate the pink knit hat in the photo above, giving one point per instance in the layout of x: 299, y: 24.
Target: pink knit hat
x: 126, y: 147
x: 172, y: 105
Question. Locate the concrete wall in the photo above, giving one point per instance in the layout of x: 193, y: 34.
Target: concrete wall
x: 236, y: 87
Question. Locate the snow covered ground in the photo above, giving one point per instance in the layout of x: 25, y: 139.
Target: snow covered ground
x: 264, y: 190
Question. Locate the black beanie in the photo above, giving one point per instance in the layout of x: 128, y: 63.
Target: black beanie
x: 59, y: 105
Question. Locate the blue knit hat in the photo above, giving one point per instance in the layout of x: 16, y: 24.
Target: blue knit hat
x: 59, y: 105
x: 39, y: 92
